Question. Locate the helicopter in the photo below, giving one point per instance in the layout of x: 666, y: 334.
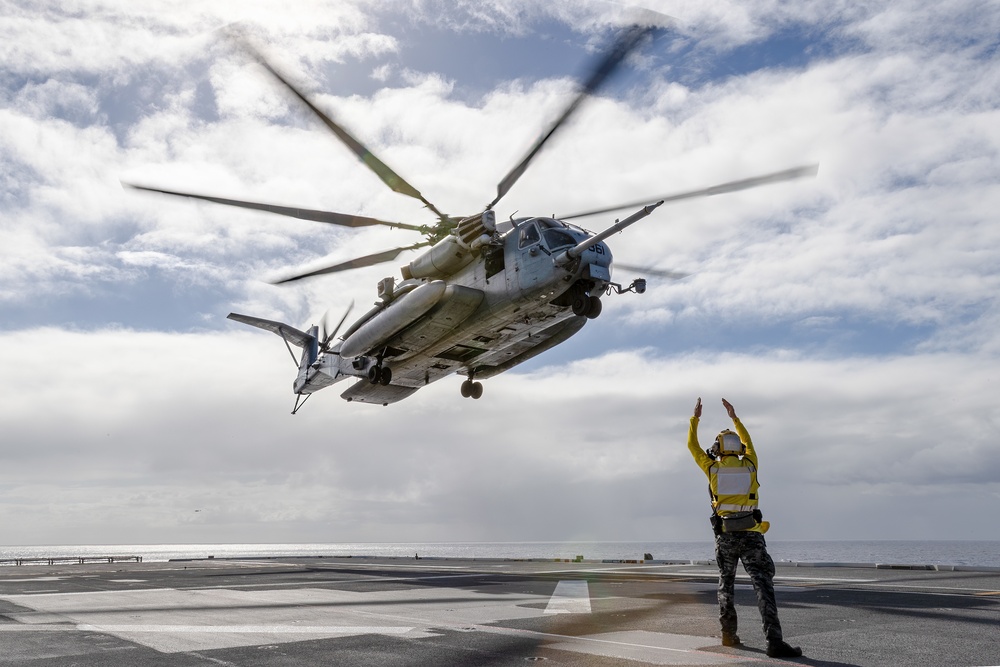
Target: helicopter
x: 485, y: 296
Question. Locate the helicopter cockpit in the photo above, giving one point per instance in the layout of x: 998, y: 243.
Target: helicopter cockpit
x: 554, y: 233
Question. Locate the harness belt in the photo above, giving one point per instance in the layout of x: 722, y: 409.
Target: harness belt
x: 737, y: 522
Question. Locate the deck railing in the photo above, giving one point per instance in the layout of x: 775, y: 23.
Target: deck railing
x: 60, y: 560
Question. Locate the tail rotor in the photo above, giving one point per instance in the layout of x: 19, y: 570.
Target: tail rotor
x: 324, y: 337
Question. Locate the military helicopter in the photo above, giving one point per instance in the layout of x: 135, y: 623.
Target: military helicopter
x: 485, y: 296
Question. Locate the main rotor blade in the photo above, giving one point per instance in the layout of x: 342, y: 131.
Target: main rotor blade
x: 731, y: 186
x: 660, y: 273
x: 301, y: 213
x: 379, y: 168
x: 626, y: 42
x: 356, y: 263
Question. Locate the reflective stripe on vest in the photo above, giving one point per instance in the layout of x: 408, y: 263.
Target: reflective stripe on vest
x: 726, y: 507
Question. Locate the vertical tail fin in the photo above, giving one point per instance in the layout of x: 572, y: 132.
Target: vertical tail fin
x: 308, y: 341
x: 310, y: 351
x: 310, y: 377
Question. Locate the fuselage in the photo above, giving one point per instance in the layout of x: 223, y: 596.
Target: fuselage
x: 512, y: 301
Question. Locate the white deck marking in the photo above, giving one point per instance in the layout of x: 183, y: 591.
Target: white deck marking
x: 185, y: 620
x: 652, y: 648
x: 646, y: 647
x: 322, y: 630
x: 571, y: 596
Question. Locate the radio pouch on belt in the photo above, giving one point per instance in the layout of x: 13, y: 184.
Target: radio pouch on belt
x: 734, y: 523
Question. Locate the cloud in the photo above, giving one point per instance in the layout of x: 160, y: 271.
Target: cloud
x: 159, y: 424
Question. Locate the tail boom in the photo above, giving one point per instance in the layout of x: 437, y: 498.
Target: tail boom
x: 312, y: 376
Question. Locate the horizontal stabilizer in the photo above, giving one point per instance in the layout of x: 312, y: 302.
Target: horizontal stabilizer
x: 289, y: 333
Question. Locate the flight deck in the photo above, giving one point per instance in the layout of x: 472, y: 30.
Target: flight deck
x: 396, y: 611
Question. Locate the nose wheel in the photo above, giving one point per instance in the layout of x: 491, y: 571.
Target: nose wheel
x: 472, y: 389
x: 585, y: 304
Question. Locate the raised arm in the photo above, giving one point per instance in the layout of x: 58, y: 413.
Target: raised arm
x: 741, y: 431
x: 700, y: 457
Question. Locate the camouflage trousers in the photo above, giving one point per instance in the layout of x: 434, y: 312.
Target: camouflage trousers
x: 749, y: 547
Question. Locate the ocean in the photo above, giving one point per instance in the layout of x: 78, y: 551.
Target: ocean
x: 933, y: 552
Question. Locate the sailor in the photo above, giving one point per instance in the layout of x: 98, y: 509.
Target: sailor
x: 731, y: 467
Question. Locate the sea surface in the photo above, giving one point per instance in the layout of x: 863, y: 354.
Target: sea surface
x: 934, y: 552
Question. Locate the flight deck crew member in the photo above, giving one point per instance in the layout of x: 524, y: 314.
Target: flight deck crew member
x: 731, y: 467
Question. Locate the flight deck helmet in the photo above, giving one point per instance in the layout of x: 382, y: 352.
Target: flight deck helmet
x: 727, y: 443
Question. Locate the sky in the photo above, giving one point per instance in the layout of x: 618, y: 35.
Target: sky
x: 852, y: 319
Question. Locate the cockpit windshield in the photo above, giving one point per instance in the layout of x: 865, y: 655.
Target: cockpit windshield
x: 558, y: 238
x: 556, y: 233
x: 527, y: 236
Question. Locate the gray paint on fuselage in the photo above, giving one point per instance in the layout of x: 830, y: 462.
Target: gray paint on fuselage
x: 514, y: 318
x: 509, y: 315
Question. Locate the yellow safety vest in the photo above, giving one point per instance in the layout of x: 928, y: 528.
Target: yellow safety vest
x: 732, y: 482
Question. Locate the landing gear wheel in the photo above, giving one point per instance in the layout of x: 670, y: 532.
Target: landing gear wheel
x: 379, y: 375
x: 477, y: 390
x: 580, y: 303
x: 467, y: 389
x: 595, y: 307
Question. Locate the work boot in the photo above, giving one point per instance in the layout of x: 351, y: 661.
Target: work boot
x: 730, y: 639
x: 780, y: 649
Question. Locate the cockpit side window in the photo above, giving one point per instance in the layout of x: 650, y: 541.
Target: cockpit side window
x: 558, y: 238
x: 528, y: 236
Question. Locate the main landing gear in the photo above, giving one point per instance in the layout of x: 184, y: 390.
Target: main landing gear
x: 379, y: 374
x: 471, y: 389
